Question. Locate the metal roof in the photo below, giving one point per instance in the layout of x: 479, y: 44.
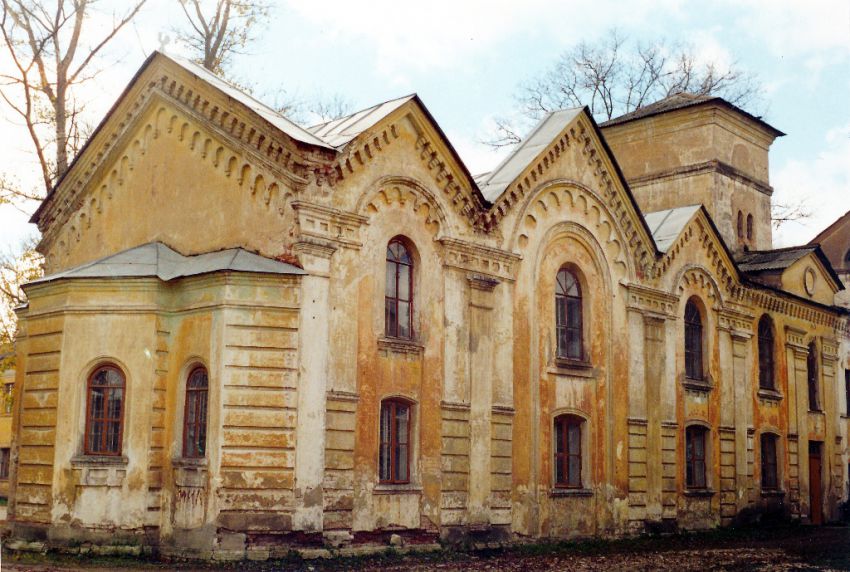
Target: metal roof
x: 778, y: 259
x: 681, y: 101
x: 281, y: 122
x: 157, y: 259
x: 494, y: 184
x: 340, y: 132
x: 666, y: 225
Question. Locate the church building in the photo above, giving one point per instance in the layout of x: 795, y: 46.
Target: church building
x: 253, y: 337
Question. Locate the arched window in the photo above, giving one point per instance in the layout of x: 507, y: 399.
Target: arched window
x: 693, y: 341
x: 769, y: 468
x: 195, y: 414
x: 398, y: 309
x: 104, y: 411
x: 695, y: 455
x: 568, y: 461
x: 749, y: 227
x: 847, y: 259
x: 740, y: 225
x: 394, y: 456
x: 765, y: 342
x: 568, y: 315
x: 812, y: 377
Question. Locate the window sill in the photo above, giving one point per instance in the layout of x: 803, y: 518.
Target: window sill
x: 568, y: 492
x: 699, y: 493
x: 574, y: 367
x: 400, y: 346
x: 189, y: 462
x: 95, y: 461
x: 390, y: 489
x: 769, y: 394
x: 816, y: 411
x: 772, y: 493
x: 701, y: 385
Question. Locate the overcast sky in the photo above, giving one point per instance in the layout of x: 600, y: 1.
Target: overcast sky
x: 465, y: 58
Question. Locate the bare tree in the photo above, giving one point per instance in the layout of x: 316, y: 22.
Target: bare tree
x: 323, y: 109
x: 17, y: 267
x: 51, y: 54
x: 220, y: 28
x: 615, y: 76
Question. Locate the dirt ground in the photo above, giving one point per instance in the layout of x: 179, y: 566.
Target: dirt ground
x: 800, y: 548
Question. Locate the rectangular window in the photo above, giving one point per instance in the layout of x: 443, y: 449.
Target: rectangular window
x: 394, y: 455
x: 769, y: 477
x: 568, y: 451
x: 847, y: 392
x: 4, y: 464
x: 695, y: 457
x: 8, y: 401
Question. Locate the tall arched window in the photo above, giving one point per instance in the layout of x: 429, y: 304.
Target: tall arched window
x: 740, y: 225
x: 693, y: 341
x: 104, y: 411
x: 766, y: 345
x: 749, y: 227
x: 195, y: 414
x: 812, y: 377
x: 398, y: 309
x: 695, y: 455
x: 568, y: 315
x: 847, y: 259
x: 568, y: 461
x: 394, y: 455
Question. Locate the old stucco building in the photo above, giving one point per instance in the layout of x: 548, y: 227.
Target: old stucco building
x: 253, y: 336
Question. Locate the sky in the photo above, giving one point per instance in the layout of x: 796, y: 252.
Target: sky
x: 466, y: 58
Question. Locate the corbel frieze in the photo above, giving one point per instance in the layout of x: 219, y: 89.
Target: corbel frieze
x: 829, y: 350
x: 738, y: 324
x: 795, y: 339
x: 480, y: 260
x: 651, y: 302
x: 328, y: 224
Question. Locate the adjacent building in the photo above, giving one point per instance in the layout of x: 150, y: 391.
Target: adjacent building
x: 252, y: 336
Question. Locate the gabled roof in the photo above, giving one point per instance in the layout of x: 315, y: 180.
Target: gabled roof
x: 667, y: 225
x: 340, y: 132
x: 682, y: 100
x: 763, y: 262
x: 830, y: 229
x: 495, y: 182
x: 157, y: 259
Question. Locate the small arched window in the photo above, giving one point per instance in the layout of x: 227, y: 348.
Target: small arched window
x: 104, y: 411
x: 812, y: 377
x: 568, y: 461
x: 394, y: 455
x: 398, y: 307
x: 847, y: 259
x: 766, y: 345
x: 769, y: 466
x: 695, y: 455
x: 195, y: 414
x: 693, y: 341
x: 568, y: 315
x: 749, y: 227
x: 740, y: 225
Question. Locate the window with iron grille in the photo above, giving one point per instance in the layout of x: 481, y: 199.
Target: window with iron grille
x: 394, y: 456
x: 195, y: 414
x: 693, y: 341
x: 568, y: 315
x: 695, y: 454
x: 105, y: 411
x: 765, y: 346
x: 568, y: 451
x: 398, y: 305
x: 812, y: 377
x: 769, y: 476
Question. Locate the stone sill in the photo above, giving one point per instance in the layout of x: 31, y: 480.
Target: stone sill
x: 773, y: 493
x: 816, y: 412
x: 769, y: 394
x: 190, y: 462
x: 400, y: 489
x: 701, y: 385
x: 81, y: 461
x: 699, y: 493
x: 568, y: 492
x: 573, y: 367
x: 400, y: 346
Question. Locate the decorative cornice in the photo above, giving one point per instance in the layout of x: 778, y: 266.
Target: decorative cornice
x: 328, y: 224
x: 711, y: 167
x: 483, y: 283
x: 795, y: 338
x: 480, y: 259
x: 651, y: 301
x: 738, y: 324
